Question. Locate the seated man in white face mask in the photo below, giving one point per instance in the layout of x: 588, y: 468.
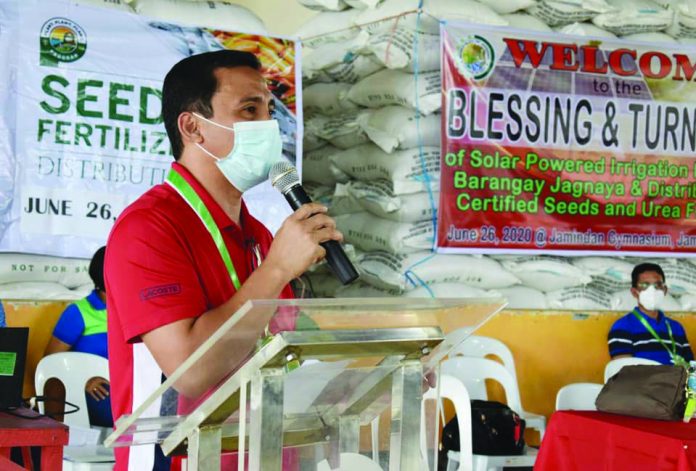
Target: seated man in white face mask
x: 646, y: 332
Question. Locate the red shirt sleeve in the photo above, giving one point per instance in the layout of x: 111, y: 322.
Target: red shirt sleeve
x: 150, y: 276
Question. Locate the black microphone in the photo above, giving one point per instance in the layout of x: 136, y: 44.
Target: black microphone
x: 284, y: 179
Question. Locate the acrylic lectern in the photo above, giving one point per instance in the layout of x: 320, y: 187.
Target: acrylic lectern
x: 292, y: 384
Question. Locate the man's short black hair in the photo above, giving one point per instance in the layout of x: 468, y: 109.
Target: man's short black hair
x: 191, y: 84
x: 96, y: 269
x: 642, y: 268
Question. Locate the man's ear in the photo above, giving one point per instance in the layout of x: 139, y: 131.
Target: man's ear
x: 189, y: 128
x: 635, y: 293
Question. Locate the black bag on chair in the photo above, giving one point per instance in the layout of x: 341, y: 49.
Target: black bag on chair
x: 495, y: 429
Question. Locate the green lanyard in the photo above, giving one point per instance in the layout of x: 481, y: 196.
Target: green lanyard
x: 191, y: 197
x: 672, y: 351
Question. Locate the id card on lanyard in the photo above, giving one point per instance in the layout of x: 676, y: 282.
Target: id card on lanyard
x: 676, y: 359
x: 189, y: 195
x: 186, y: 191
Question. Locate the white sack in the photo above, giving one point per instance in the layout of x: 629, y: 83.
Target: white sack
x: 114, y: 4
x: 633, y: 17
x: 684, y: 24
x: 342, y: 202
x: 526, y: 21
x: 546, y: 273
x: 611, y: 284
x: 465, y: 10
x: 392, y: 14
x: 342, y: 131
x: 327, y: 98
x: 358, y: 289
x: 363, y: 4
x: 324, y: 5
x: 69, y: 272
x: 586, y: 29
x: 323, y: 285
x: 377, y: 198
x: 338, y: 201
x: 310, y: 142
x: 394, y: 87
x: 396, y: 49
x: 328, y: 27
x: 579, y: 298
x: 368, y: 232
x: 609, y: 267
x: 507, y: 6
x: 316, y: 191
x: 449, y: 290
x: 389, y: 270
x: 317, y: 60
x: 222, y: 15
x: 557, y: 13
x: 680, y: 276
x: 317, y: 167
x: 688, y: 302
x: 395, y: 127
x: 404, y: 168
x: 523, y: 297
x: 353, y: 69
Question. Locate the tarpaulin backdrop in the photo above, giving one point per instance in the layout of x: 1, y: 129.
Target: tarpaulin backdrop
x: 566, y: 144
x: 80, y: 130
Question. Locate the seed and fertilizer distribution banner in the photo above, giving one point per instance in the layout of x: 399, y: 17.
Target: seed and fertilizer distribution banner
x: 563, y: 144
x: 80, y: 130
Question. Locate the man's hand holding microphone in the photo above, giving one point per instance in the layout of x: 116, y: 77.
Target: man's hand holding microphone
x: 309, y: 235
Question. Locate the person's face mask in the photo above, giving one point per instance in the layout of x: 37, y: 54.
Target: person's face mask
x: 257, y: 146
x: 651, y: 298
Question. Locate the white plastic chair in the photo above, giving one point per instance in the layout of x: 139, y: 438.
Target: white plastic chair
x: 74, y: 369
x: 453, y: 389
x: 351, y: 462
x: 464, y: 460
x: 481, y: 347
x: 615, y: 365
x: 578, y: 396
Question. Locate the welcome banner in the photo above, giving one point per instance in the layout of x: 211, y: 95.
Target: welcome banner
x: 555, y: 143
x: 81, y: 135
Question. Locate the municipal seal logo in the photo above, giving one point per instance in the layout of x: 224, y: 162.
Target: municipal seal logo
x: 475, y: 57
x: 61, y: 40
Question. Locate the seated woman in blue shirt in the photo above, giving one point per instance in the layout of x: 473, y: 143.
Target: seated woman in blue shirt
x: 82, y: 328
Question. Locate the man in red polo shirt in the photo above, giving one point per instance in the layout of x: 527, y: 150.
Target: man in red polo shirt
x: 187, y: 254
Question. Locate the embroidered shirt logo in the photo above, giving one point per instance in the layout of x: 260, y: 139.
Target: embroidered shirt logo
x: 157, y: 291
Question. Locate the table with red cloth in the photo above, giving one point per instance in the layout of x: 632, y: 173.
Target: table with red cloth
x: 25, y: 428
x: 584, y: 440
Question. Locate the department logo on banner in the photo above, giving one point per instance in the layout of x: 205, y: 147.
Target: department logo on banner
x: 475, y: 57
x: 62, y: 40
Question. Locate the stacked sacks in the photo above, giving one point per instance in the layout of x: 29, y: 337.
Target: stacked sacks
x: 38, y: 277
x: 373, y: 136
x: 556, y: 281
x: 217, y: 15
x: 114, y: 4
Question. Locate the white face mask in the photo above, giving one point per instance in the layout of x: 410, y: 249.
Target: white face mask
x: 257, y: 146
x: 651, y: 298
